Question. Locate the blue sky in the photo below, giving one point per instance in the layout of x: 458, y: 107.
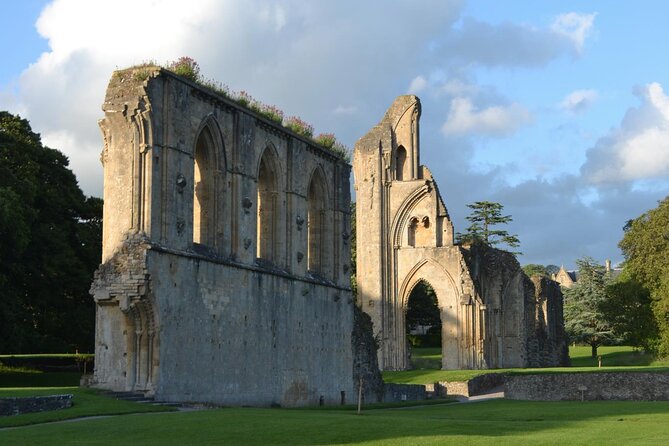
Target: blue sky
x: 557, y: 110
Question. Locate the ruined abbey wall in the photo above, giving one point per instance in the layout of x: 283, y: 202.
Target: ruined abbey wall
x: 489, y: 309
x: 225, y: 274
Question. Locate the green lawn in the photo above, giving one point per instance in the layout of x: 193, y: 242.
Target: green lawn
x: 493, y: 422
x: 25, y: 376
x: 85, y: 403
x: 496, y: 422
x: 614, y: 359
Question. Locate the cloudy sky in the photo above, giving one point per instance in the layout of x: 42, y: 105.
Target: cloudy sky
x: 557, y: 110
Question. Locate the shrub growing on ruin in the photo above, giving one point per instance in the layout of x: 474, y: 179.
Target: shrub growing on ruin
x: 299, y: 126
x: 186, y: 67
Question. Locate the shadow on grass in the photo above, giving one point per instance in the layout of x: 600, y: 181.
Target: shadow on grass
x: 492, y: 422
x: 39, y: 379
x: 85, y: 403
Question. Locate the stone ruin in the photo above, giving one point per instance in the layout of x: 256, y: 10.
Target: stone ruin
x: 225, y: 265
x: 226, y: 259
x: 492, y: 314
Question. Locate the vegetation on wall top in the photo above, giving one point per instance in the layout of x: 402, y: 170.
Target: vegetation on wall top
x: 188, y: 68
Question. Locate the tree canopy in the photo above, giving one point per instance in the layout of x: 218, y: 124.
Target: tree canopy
x: 484, y: 217
x: 422, y: 308
x: 584, y: 316
x: 532, y: 269
x: 645, y: 246
x: 628, y: 308
x: 50, y: 238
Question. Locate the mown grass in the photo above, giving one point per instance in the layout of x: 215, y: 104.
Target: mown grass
x: 85, y: 403
x: 614, y: 359
x: 497, y: 422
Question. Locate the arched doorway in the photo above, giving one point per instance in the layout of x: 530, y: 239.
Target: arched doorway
x: 423, y: 327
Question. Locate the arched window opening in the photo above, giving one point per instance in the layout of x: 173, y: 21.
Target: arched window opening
x: 413, y: 226
x: 317, y: 222
x: 423, y: 327
x: 266, y: 209
x: 423, y: 232
x: 203, y: 189
x: 400, y: 163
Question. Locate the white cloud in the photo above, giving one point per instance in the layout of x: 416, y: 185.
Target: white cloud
x: 417, y: 85
x: 578, y: 101
x: 307, y: 58
x: 498, y: 120
x: 575, y: 26
x: 639, y: 148
x: 514, y: 45
x: 458, y: 87
x: 345, y: 110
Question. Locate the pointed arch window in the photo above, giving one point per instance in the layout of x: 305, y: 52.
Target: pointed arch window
x: 267, y: 208
x: 318, y: 224
x: 203, y: 189
x: 411, y: 235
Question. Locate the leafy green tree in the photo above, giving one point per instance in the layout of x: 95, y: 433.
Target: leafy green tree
x: 484, y: 217
x: 628, y: 307
x: 422, y: 308
x: 584, y: 316
x: 50, y: 237
x: 645, y: 246
x: 552, y: 269
x: 533, y: 269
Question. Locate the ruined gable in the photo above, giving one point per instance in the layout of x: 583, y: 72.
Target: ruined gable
x: 487, y: 304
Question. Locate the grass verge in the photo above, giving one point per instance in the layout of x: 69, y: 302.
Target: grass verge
x: 614, y: 359
x: 85, y: 403
x: 494, y: 422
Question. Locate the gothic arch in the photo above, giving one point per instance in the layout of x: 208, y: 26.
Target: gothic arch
x: 420, y: 272
x: 401, y: 221
x: 267, y: 208
x: 208, y: 166
x: 142, y: 345
x: 448, y: 301
x: 319, y: 225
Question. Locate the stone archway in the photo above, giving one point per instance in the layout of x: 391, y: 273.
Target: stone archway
x: 423, y: 325
x: 448, y: 301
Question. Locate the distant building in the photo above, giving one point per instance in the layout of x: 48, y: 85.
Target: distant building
x: 567, y: 279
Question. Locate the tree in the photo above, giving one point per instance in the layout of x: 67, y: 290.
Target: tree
x: 584, y: 317
x: 645, y: 246
x: 422, y: 308
x: 628, y: 307
x: 533, y: 269
x: 50, y: 238
x: 485, y: 215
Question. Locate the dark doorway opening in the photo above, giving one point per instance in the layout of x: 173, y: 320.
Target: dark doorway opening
x: 423, y: 327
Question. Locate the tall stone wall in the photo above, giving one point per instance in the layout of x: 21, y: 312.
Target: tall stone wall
x: 549, y: 345
x: 488, y: 307
x: 225, y: 274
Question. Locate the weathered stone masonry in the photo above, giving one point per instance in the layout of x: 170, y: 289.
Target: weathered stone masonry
x: 225, y: 265
x: 490, y: 311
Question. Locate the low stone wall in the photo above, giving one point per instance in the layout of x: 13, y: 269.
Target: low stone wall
x: 636, y: 386
x: 19, y: 405
x: 403, y: 392
x: 474, y: 386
